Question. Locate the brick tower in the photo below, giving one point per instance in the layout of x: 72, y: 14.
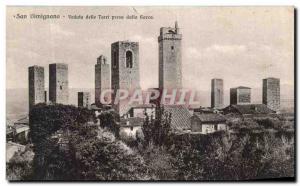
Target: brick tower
x: 170, y: 60
x: 84, y: 99
x: 271, y: 93
x: 58, y: 83
x: 240, y: 95
x: 36, y: 83
x: 217, y: 95
x: 102, y: 79
x: 124, y: 71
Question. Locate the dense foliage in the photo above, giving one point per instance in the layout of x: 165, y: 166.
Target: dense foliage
x: 157, y: 129
x: 68, y: 145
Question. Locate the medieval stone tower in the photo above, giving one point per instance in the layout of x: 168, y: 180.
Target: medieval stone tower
x: 84, y: 99
x: 170, y: 59
x: 271, y: 93
x: 102, y: 79
x: 58, y: 83
x: 124, y: 71
x: 217, y: 94
x: 36, y: 83
x: 240, y: 95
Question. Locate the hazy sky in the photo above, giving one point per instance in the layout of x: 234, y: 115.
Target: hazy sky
x: 242, y: 45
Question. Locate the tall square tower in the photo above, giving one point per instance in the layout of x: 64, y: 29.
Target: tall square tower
x: 58, y: 83
x: 170, y: 59
x: 217, y: 95
x: 124, y: 71
x: 240, y: 95
x: 102, y: 79
x: 36, y: 85
x: 84, y: 99
x: 271, y: 93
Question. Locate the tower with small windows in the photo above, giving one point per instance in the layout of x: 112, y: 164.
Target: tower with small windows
x: 36, y: 85
x: 124, y: 71
x: 102, y: 79
x: 170, y: 59
x: 58, y: 83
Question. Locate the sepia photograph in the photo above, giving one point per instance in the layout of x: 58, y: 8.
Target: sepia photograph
x: 150, y: 93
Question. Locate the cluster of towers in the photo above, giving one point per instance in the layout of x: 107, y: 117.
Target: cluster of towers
x: 123, y: 73
x: 58, y: 84
x: 242, y: 95
x: 125, y: 66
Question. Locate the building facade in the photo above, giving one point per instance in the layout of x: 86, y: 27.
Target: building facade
x: 130, y: 128
x: 206, y: 123
x: 124, y: 71
x: 102, y: 79
x: 240, y: 95
x: 84, y: 99
x: 58, y: 83
x: 271, y: 93
x: 217, y: 94
x: 36, y: 83
x: 170, y: 58
x: 140, y: 111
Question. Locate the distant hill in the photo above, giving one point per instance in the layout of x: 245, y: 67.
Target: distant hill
x: 17, y: 99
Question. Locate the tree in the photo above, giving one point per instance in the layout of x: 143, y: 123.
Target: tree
x: 157, y: 130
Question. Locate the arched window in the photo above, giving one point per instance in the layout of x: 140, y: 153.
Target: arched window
x: 129, y: 59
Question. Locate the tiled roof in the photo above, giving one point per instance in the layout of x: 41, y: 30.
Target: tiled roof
x: 180, y: 118
x: 251, y: 109
x: 20, y: 128
x: 243, y: 87
x: 23, y: 120
x: 210, y: 117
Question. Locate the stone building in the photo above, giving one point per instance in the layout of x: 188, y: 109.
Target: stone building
x: 140, y: 111
x: 206, y: 123
x: 84, y: 99
x: 217, y: 95
x: 170, y: 59
x: 124, y: 71
x: 36, y: 83
x: 254, y: 111
x: 102, y: 79
x: 130, y: 127
x: 240, y: 95
x: 58, y: 83
x: 271, y: 93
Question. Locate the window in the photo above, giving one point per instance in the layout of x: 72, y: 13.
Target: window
x: 60, y: 87
x: 115, y: 59
x: 129, y: 59
x: 172, y: 47
x: 216, y: 127
x: 131, y: 128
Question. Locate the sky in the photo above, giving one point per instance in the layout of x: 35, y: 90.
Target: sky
x: 241, y: 45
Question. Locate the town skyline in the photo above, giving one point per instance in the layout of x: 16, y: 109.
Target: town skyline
x: 149, y: 70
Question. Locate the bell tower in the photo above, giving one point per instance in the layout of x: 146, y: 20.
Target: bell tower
x: 170, y: 59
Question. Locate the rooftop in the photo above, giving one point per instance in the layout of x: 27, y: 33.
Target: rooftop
x: 180, y: 116
x: 23, y: 121
x: 144, y: 106
x: 242, y: 87
x: 210, y: 117
x: 134, y: 121
x: 250, y: 109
